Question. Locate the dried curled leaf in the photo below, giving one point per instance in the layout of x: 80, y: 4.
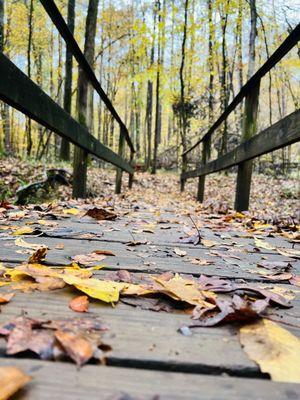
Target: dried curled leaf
x: 101, y: 214
x: 79, y: 338
x: 79, y: 304
x: 273, y: 348
x: 38, y: 255
x: 11, y: 380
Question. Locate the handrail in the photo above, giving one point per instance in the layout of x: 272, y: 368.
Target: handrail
x: 279, y: 53
x: 20, y: 92
x: 283, y: 133
x: 62, y: 27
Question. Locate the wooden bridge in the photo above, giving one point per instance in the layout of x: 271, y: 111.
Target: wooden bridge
x: 149, y: 357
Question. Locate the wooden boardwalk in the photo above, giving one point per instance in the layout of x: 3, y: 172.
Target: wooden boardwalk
x: 150, y: 359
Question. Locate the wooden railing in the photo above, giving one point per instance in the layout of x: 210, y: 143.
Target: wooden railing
x: 281, y: 134
x: 20, y: 92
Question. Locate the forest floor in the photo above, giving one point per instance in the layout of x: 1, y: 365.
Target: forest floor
x: 176, y: 300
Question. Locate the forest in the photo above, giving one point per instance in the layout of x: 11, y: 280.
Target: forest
x: 149, y: 199
x: 153, y: 60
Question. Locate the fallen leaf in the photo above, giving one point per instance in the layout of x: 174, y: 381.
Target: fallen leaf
x: 295, y: 280
x: 106, y: 291
x: 293, y: 253
x: 236, y: 309
x: 179, y: 252
x: 25, y: 230
x: 79, y: 304
x: 38, y: 255
x: 273, y: 348
x: 60, y: 246
x: 22, y: 243
x: 79, y: 338
x: 186, y: 290
x: 71, y: 211
x: 208, y: 243
x: 6, y: 297
x: 100, y: 214
x: 261, y: 244
x: 103, y: 252
x: 11, y: 380
x: 88, y: 259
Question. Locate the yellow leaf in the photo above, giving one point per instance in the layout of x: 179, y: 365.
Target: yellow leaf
x: 262, y: 244
x: 186, y: 290
x: 273, y: 348
x: 71, y: 211
x: 25, y: 230
x: 4, y: 283
x: 106, y: 291
x: 208, y: 243
x: 11, y: 380
x: 22, y: 243
x: 293, y: 253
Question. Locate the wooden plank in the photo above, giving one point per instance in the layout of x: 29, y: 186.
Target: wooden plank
x: 147, y: 339
x: 68, y: 37
x: 283, y: 133
x: 63, y: 381
x: 20, y: 92
x: 279, y: 53
x: 150, y: 259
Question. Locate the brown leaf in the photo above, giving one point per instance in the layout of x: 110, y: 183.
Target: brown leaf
x: 236, y: 309
x: 11, y: 380
x: 88, y: 259
x: 76, y: 346
x: 6, y: 297
x: 79, y: 304
x: 38, y: 255
x: 179, y: 252
x: 101, y: 214
x: 104, y: 252
x: 295, y: 280
x: 79, y: 338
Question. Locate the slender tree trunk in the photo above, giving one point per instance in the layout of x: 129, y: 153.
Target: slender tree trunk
x: 29, y: 45
x: 65, y: 144
x: 183, y: 119
x: 5, y: 108
x: 149, y: 106
x: 206, y: 149
x: 80, y: 156
x: 224, y: 84
x: 249, y: 122
x: 157, y: 92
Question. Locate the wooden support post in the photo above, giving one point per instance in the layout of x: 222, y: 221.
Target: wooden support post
x: 79, y: 173
x: 205, y: 158
x: 119, y: 170
x: 183, y: 170
x: 245, y: 168
x: 130, y: 181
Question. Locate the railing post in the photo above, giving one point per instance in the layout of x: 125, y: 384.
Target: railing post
x: 119, y: 170
x: 205, y: 158
x: 183, y: 170
x: 130, y: 181
x: 245, y: 168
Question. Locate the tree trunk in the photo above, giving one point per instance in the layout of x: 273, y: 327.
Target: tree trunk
x: 80, y: 156
x: 207, y: 143
x: 249, y: 123
x: 65, y: 144
x: 5, y: 109
x: 183, y: 119
x: 30, y: 33
x: 157, y: 92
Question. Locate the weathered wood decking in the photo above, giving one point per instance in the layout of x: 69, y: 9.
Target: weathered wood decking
x: 149, y: 358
